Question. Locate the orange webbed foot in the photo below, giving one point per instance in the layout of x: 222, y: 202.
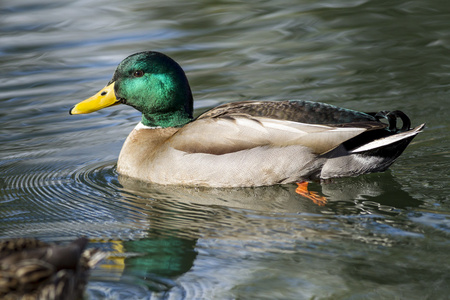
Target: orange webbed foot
x: 302, y: 190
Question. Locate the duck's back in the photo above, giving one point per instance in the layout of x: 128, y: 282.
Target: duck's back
x: 294, y: 110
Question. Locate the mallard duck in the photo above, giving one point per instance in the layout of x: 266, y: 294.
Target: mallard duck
x: 32, y: 269
x: 250, y: 143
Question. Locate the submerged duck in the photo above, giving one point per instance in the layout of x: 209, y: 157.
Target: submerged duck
x: 251, y: 143
x: 32, y: 269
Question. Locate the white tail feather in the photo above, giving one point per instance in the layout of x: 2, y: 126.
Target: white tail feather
x: 388, y: 140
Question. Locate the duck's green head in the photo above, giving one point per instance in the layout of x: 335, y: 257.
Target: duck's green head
x: 151, y: 82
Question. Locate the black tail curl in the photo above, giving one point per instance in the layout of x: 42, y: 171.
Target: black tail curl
x: 392, y: 116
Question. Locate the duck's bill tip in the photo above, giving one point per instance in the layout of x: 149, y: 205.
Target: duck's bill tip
x: 104, y: 98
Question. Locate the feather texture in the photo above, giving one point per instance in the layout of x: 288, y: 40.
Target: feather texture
x: 31, y: 269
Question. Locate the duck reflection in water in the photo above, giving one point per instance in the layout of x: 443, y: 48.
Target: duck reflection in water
x: 177, y: 217
x: 376, y: 187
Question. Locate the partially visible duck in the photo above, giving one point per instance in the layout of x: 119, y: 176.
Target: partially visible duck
x: 251, y: 143
x: 32, y: 269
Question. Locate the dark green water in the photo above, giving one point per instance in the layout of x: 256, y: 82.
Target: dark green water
x: 380, y: 236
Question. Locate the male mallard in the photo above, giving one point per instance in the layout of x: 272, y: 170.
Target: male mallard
x: 31, y: 269
x: 251, y: 143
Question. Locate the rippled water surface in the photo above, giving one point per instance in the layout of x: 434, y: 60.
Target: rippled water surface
x: 380, y: 236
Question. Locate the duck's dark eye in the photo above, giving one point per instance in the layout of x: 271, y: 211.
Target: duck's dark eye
x: 138, y: 73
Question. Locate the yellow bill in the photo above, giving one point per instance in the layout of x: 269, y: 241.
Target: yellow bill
x: 104, y: 98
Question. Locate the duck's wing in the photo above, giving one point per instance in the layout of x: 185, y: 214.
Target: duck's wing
x: 300, y: 111
x: 245, y: 125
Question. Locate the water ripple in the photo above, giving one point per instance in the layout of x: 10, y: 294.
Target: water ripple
x: 84, y: 198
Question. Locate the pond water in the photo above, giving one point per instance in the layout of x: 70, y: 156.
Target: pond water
x: 379, y: 236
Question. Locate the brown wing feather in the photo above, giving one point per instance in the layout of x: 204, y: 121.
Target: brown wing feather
x: 297, y: 111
